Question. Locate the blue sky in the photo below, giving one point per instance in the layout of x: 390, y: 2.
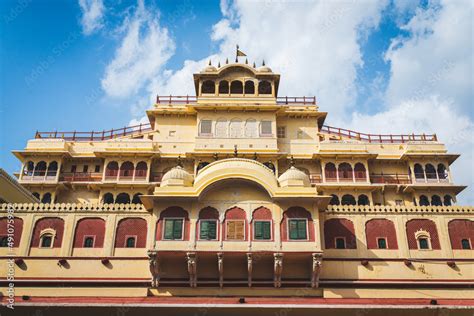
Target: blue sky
x: 375, y: 66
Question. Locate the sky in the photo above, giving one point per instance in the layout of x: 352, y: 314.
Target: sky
x: 399, y: 66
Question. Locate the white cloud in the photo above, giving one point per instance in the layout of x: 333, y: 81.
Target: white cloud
x: 430, y: 115
x: 144, y: 50
x: 92, y: 15
x: 430, y: 87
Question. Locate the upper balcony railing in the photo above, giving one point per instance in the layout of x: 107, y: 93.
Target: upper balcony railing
x: 374, y: 138
x: 96, y: 136
x: 191, y: 99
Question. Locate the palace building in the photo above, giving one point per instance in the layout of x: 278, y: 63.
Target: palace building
x: 238, y: 196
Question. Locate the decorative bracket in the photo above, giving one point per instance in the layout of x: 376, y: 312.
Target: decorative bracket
x: 316, y: 271
x: 192, y: 262
x: 278, y: 268
x: 249, y: 268
x: 220, y: 266
x: 154, y: 268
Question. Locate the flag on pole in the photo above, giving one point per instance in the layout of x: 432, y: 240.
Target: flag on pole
x: 240, y: 53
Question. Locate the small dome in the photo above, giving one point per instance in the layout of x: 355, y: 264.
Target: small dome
x: 264, y: 69
x: 294, y: 177
x: 177, y: 176
x: 210, y: 68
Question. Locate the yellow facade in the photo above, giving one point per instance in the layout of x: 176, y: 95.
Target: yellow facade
x: 288, y: 203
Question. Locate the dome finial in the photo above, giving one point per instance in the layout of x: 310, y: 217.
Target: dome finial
x: 292, y: 161
x: 254, y: 65
x: 219, y: 64
x: 210, y: 64
x: 263, y: 62
x: 226, y: 61
x: 215, y: 156
x: 179, y: 162
x: 246, y: 61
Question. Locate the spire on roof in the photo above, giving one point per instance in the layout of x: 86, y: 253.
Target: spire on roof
x: 219, y: 64
x: 246, y: 61
x: 254, y: 65
x: 210, y: 62
x: 226, y: 61
x: 263, y: 62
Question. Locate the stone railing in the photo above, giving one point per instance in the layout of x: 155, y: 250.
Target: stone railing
x: 71, y: 208
x: 355, y: 209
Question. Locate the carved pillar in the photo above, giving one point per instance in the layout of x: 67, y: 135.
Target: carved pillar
x: 278, y: 268
x: 191, y: 259
x: 249, y: 269
x: 220, y: 267
x: 316, y: 271
x: 154, y: 268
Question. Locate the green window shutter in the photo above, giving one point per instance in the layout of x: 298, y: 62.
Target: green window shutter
x: 204, y: 230
x: 266, y: 230
x: 178, y: 229
x: 258, y: 230
x: 292, y: 226
x: 302, y: 229
x: 212, y: 229
x: 168, y: 229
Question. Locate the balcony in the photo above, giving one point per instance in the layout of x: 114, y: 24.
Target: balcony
x: 390, y: 178
x: 431, y: 178
x: 376, y: 138
x: 39, y: 176
x: 345, y: 177
x: 132, y: 131
x: 80, y: 177
x: 187, y: 99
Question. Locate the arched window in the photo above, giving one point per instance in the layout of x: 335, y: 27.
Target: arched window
x: 345, y: 172
x: 52, y: 169
x: 141, y: 170
x: 235, y: 128
x: 88, y: 242
x: 334, y: 200
x: 46, y: 198
x: 46, y: 241
x: 363, y: 200
x: 442, y: 172
x: 436, y: 200
x: 221, y: 128
x: 173, y: 224
x: 111, y: 171
x: 448, y: 200
x: 123, y: 198
x: 419, y: 173
x: 465, y: 244
x: 423, y: 242
x: 108, y: 198
x: 339, y: 233
x: 130, y: 243
x: 90, y: 232
x: 264, y: 87
x: 36, y: 195
x: 359, y: 172
x: 461, y: 233
x: 208, y: 86
x: 330, y: 172
x: 422, y: 234
x: 224, y: 87
x: 430, y: 171
x: 3, y: 241
x: 380, y: 234
x: 29, y: 168
x: 249, y: 87
x: 136, y: 198
x: 131, y: 228
x: 40, y: 169
x: 208, y: 224
x: 236, y: 87
x: 251, y: 128
x: 348, y: 199
x: 424, y: 201
x: 126, y: 170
